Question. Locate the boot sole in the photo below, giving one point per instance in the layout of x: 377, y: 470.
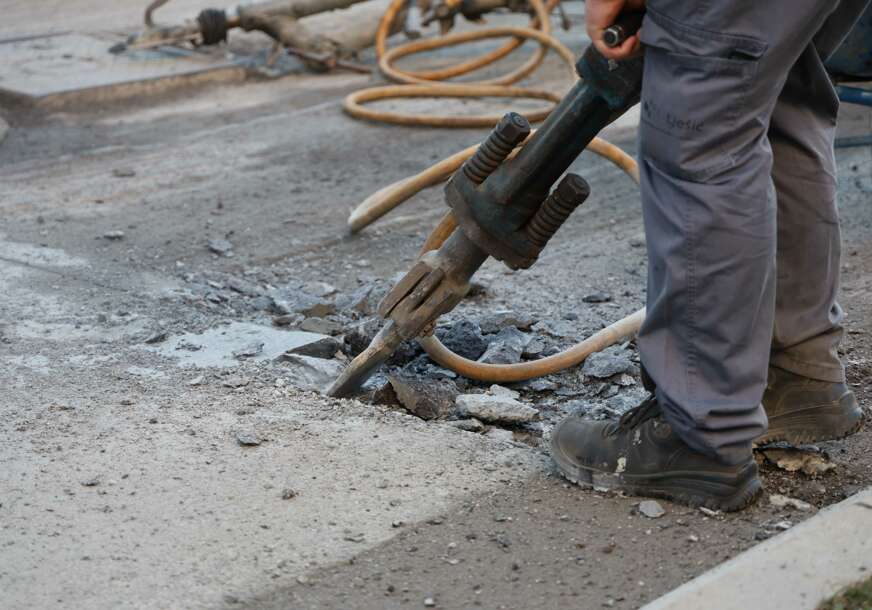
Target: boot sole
x: 815, y: 424
x: 710, y: 490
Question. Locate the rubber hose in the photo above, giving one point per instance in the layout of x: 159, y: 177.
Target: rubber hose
x: 522, y: 371
x: 426, y: 83
x: 386, y: 199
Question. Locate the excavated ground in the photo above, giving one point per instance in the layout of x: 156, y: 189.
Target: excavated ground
x: 128, y: 479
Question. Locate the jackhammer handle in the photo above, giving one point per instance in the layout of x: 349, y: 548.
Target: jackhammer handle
x: 626, y: 25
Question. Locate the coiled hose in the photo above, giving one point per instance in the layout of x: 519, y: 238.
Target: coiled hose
x: 429, y: 83
x: 421, y: 84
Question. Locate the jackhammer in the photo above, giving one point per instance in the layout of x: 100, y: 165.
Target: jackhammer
x: 504, y: 205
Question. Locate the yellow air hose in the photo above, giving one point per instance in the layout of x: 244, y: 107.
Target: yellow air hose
x: 428, y: 83
x: 422, y: 84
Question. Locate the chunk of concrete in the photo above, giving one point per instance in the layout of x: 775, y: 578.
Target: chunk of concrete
x: 608, y: 363
x: 425, y: 398
x: 506, y: 347
x: 495, y: 409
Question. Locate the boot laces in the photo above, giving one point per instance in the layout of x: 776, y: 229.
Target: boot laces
x: 635, y: 417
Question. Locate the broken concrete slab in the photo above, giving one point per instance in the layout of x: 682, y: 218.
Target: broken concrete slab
x: 425, y: 398
x: 292, y: 300
x: 65, y: 69
x: 497, y: 409
x: 313, y: 374
x: 325, y: 347
x: 218, y: 346
x: 323, y: 326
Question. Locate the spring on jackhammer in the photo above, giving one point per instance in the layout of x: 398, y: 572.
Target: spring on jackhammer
x: 508, y: 133
x: 569, y: 194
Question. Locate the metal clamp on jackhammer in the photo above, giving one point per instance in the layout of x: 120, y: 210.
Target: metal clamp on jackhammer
x: 504, y: 206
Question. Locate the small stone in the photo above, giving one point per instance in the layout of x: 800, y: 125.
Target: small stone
x: 248, y: 438
x: 500, y: 434
x: 252, y: 350
x: 288, y: 494
x: 92, y: 482
x: 157, y: 337
x: 498, y: 390
x: 198, y: 380
x: 467, y: 425
x: 506, y: 347
x: 780, y: 501
x: 556, y: 328
x: 288, y: 301
x: 608, y: 363
x: 464, y: 338
x: 113, y: 235
x: 597, y: 297
x: 498, y: 320
x: 429, y: 602
x: 496, y: 408
x: 220, y: 246
x: 709, y: 512
x: 425, y: 398
x: 242, y: 287
x: 693, y: 538
x: 309, y: 373
x: 359, y: 336
x: 651, y: 509
x: 319, y: 289
x: 534, y: 349
x: 377, y: 390
x: 291, y: 319
x: 325, y: 347
x: 235, y: 381
x: 123, y: 172
x: 321, y: 326
x: 541, y: 385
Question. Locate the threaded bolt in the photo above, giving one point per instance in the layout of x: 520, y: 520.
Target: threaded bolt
x: 570, y: 193
x: 509, y: 132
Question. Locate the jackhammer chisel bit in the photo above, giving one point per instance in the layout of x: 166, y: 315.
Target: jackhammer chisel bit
x: 504, y: 208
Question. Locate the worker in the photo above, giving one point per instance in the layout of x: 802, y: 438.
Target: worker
x: 738, y: 181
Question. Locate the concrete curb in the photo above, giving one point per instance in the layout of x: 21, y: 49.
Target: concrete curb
x: 793, y: 571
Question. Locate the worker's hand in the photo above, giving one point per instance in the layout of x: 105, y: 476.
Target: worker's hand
x: 600, y: 14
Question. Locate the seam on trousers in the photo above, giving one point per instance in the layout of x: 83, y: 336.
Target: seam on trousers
x: 690, y: 348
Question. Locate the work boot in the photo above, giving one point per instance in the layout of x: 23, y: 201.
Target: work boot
x: 641, y: 455
x: 804, y: 410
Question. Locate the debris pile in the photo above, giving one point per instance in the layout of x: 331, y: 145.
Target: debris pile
x: 330, y: 327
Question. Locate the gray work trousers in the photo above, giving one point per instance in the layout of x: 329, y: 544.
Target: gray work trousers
x: 738, y: 197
